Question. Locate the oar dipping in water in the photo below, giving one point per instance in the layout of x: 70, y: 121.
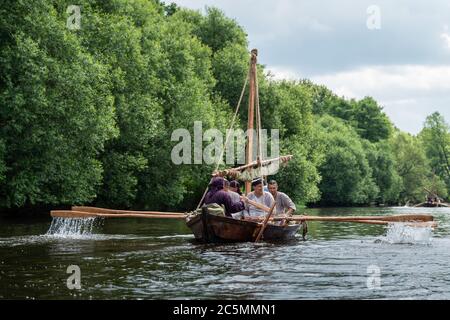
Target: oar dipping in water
x: 416, y: 220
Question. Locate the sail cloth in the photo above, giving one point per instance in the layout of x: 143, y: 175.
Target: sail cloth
x: 255, y: 169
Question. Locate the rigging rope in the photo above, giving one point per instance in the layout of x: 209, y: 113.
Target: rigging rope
x: 219, y: 159
x: 258, y: 124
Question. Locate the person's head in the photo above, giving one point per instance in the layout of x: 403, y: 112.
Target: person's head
x: 257, y: 186
x: 273, y: 187
x: 217, y: 183
x: 235, y: 186
x: 226, y: 185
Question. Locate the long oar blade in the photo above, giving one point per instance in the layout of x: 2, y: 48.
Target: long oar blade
x: 80, y: 214
x: 71, y: 214
x: 395, y: 218
x: 113, y: 211
x: 420, y: 224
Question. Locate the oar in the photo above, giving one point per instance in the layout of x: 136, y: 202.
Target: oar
x: 394, y: 218
x: 256, y: 204
x: 419, y: 205
x: 114, y: 211
x: 431, y: 224
x: 266, y: 220
x: 80, y: 214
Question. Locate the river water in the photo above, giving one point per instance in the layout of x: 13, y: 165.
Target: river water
x: 158, y: 259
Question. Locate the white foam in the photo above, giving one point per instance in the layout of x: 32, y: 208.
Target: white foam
x: 176, y: 236
x: 403, y: 233
x: 73, y: 227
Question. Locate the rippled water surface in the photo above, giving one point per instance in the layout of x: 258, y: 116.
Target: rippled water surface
x: 158, y: 259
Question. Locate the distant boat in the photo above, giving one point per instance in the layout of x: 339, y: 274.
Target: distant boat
x: 433, y: 200
x: 432, y: 204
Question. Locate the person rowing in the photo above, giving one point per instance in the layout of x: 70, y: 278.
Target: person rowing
x: 217, y: 194
x: 284, y: 203
x: 233, y: 188
x: 260, y: 196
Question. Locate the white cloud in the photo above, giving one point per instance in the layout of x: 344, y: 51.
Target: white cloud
x: 389, y: 82
x: 405, y: 65
x: 282, y: 73
x: 408, y: 93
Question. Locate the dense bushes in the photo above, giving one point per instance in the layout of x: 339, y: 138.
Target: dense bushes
x: 86, y: 116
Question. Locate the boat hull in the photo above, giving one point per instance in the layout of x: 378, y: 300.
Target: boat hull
x: 208, y: 228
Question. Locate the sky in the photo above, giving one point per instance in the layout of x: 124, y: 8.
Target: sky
x: 395, y: 51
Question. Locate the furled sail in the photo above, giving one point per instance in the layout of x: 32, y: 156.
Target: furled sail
x: 255, y: 169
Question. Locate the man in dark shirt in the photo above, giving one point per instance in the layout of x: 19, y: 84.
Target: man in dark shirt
x: 217, y: 194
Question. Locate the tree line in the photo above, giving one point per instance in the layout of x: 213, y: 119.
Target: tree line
x: 86, y: 115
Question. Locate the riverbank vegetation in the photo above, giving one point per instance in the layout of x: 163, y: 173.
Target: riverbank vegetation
x: 86, y: 115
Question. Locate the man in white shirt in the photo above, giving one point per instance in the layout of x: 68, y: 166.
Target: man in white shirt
x: 284, y: 203
x: 260, y: 196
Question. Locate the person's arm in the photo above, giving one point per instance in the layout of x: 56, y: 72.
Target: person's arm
x: 289, y: 204
x: 248, y: 206
x: 231, y: 207
x: 268, y: 199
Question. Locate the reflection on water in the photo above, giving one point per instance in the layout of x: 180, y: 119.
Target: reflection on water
x: 159, y: 259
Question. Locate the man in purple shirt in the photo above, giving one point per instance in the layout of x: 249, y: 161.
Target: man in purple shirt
x: 217, y: 194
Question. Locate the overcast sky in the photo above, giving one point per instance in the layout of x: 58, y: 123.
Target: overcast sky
x: 402, y: 60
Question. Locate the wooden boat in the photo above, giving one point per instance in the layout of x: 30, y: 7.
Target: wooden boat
x: 433, y: 199
x: 432, y: 204
x: 209, y: 228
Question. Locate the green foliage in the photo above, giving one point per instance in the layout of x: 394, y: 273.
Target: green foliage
x: 86, y: 116
x: 435, y: 137
x: 382, y: 161
x: 217, y: 31
x: 371, y: 123
x: 291, y: 114
x: 230, y: 68
x: 56, y: 110
x: 300, y: 178
x: 412, y: 166
x: 124, y: 38
x: 322, y: 97
x: 2, y: 161
x: 435, y: 186
x: 346, y: 174
x: 365, y: 115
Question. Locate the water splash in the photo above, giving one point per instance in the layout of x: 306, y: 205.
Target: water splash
x: 73, y: 227
x: 406, y: 234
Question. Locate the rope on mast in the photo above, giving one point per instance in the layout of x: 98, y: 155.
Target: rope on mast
x: 258, y: 125
x: 228, y: 134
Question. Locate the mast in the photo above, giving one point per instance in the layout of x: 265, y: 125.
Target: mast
x: 251, y: 114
